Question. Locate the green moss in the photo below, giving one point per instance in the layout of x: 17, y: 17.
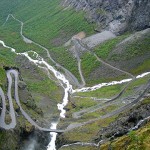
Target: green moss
x: 2, y: 77
x: 4, y: 136
x: 82, y: 103
x: 100, y: 112
x: 146, y: 101
x: 100, y: 11
x: 45, y: 87
x: 6, y: 59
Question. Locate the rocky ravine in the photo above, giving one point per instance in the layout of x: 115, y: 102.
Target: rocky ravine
x: 115, y: 15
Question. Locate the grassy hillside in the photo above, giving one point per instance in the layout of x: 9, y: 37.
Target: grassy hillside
x: 135, y: 140
x: 48, y: 24
x: 132, y: 55
x: 46, y: 21
x: 6, y: 59
x: 51, y: 25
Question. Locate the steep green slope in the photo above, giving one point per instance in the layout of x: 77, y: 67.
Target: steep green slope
x: 51, y: 25
x: 129, y: 52
x: 6, y: 59
x: 48, y: 24
x: 46, y: 21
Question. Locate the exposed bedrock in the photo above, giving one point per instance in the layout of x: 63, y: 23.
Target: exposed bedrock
x: 115, y: 15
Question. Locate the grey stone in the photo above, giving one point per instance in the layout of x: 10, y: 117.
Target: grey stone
x: 123, y: 14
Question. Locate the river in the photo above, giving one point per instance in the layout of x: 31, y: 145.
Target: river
x: 68, y: 89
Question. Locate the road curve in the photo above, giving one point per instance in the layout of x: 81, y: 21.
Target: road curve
x: 113, y: 113
x: 75, y: 41
x: 3, y: 113
x: 98, y: 106
x: 100, y: 60
x: 12, y: 112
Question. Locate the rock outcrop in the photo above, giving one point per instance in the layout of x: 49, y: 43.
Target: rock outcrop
x: 125, y: 122
x: 115, y: 15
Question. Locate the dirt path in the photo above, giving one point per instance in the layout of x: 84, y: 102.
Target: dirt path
x: 81, y: 74
x: 103, y: 62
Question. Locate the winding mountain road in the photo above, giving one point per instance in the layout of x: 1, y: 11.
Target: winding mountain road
x: 40, y: 62
x: 12, y: 125
x: 101, y: 105
x: 100, y: 60
x: 79, y: 60
x: 115, y: 112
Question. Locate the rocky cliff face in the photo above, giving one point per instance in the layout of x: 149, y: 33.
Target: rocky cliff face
x: 115, y: 15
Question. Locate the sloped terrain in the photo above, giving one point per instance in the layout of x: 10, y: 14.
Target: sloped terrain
x: 105, y: 76
x: 115, y: 15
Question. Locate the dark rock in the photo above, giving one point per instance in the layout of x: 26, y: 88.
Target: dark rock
x: 38, y: 139
x: 22, y: 85
x: 67, y: 109
x: 115, y: 15
x: 17, y: 110
x: 124, y: 122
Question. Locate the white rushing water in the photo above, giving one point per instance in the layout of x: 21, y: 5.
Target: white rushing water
x: 65, y: 84
x: 51, y: 145
x: 40, y: 62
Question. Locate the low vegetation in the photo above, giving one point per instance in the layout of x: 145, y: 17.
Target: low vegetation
x: 46, y: 22
x: 104, y: 92
x: 66, y: 59
x: 134, y: 49
x: 135, y: 140
x: 89, y: 64
x: 87, y: 132
x: 51, y: 25
x: 104, y: 49
x: 6, y: 59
